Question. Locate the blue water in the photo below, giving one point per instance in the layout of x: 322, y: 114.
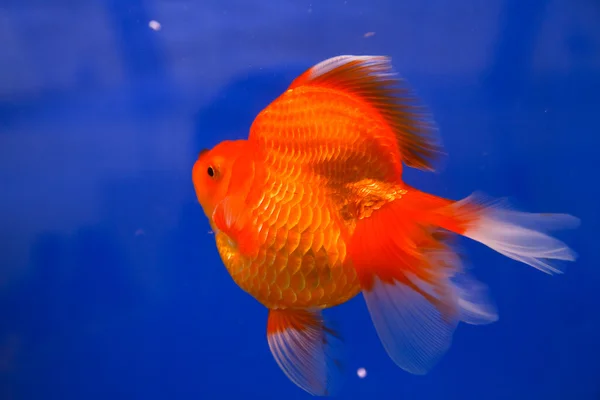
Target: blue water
x: 111, y: 286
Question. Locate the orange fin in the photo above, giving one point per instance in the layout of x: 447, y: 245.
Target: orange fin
x: 413, y: 282
x: 306, y: 350
x: 406, y: 268
x: 371, y: 79
x: 231, y: 218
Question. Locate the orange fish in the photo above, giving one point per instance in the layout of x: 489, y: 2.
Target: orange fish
x: 311, y: 210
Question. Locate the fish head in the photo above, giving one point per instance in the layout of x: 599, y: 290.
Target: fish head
x: 212, y: 173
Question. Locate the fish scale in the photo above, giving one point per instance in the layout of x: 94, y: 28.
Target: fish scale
x: 302, y: 252
x: 344, y: 130
x: 301, y: 205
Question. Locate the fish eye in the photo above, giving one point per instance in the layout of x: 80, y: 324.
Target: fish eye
x: 210, y: 171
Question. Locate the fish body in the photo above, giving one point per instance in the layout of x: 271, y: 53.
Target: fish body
x: 311, y: 210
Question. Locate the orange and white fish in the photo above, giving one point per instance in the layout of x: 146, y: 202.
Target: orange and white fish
x: 311, y: 210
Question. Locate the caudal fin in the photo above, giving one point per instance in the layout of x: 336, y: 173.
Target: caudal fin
x: 412, y: 280
x: 408, y: 274
x: 519, y: 235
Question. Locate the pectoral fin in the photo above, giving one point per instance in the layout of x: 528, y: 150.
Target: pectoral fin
x: 306, y: 349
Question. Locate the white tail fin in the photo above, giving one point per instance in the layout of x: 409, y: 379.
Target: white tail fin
x: 521, y: 236
x: 474, y: 301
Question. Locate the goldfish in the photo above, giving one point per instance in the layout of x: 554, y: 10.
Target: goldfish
x: 311, y: 210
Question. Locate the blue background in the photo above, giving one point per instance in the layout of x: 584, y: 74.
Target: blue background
x: 111, y: 286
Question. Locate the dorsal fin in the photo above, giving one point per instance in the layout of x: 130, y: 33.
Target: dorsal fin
x: 371, y: 79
